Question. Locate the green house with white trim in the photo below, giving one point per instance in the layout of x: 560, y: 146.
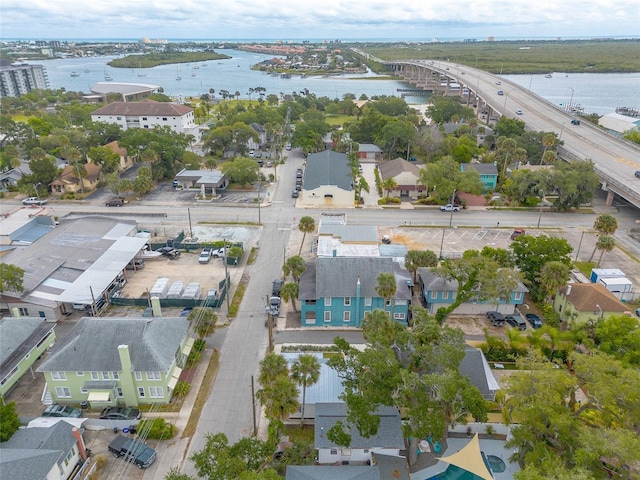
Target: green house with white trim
x: 22, y: 341
x: 118, y: 361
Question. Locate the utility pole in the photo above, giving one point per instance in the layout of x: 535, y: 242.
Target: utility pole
x: 259, y: 185
x: 226, y: 274
x: 253, y: 410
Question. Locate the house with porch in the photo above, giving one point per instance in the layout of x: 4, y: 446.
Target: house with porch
x: 437, y: 292
x: 24, y: 339
x: 387, y: 441
x: 406, y: 176
x: 339, y: 291
x: 118, y: 361
x: 72, y: 180
x: 581, y: 302
x: 55, y: 452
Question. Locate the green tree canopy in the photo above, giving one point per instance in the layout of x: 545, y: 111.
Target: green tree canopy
x: 11, y: 278
x: 9, y: 420
x: 241, y: 170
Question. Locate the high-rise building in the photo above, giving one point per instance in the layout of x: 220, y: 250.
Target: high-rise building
x: 18, y: 79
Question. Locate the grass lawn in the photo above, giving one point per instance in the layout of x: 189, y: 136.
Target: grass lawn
x: 339, y: 119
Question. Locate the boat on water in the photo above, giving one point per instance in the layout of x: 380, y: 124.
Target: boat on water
x: 548, y: 75
x: 75, y: 74
x: 178, y: 77
x: 147, y: 254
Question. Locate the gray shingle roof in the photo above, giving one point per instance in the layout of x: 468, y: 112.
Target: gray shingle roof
x: 324, y: 472
x: 92, y: 345
x: 481, y: 168
x: 474, y: 366
x: 328, y: 168
x: 338, y: 277
x: 19, y: 335
x: 31, y: 453
x: 389, y: 432
x: 146, y: 107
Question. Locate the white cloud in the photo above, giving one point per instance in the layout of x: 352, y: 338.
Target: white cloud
x: 315, y: 19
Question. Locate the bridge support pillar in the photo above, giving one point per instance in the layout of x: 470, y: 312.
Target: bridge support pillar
x: 609, y: 200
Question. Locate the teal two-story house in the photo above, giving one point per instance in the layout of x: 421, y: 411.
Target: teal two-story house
x: 488, y: 174
x: 118, y: 361
x: 437, y: 292
x: 339, y: 291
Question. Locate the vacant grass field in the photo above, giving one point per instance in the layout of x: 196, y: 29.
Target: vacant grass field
x: 588, y: 56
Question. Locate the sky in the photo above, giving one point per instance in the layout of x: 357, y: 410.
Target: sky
x: 318, y: 19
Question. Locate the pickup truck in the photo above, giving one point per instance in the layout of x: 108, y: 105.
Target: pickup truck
x: 132, y: 451
x: 449, y: 208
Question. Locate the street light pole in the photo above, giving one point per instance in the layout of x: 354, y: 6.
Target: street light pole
x: 541, y: 204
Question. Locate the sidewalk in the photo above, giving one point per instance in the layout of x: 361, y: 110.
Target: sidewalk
x: 171, y: 453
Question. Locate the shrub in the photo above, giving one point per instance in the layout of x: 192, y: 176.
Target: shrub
x: 182, y: 389
x: 158, y: 428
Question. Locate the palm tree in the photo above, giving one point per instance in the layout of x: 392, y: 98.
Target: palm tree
x: 605, y: 243
x: 305, y: 371
x: 389, y: 184
x: 605, y: 225
x: 548, y: 141
x: 553, y: 275
x: 289, y: 293
x: 279, y: 398
x: 272, y: 366
x: 415, y: 259
x: 294, y: 266
x: 306, y: 225
x: 387, y: 288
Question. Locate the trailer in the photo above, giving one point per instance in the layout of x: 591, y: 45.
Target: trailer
x: 175, y: 291
x: 599, y: 273
x: 192, y: 292
x: 160, y: 288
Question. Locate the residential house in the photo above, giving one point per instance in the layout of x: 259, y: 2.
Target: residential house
x: 53, y: 453
x: 262, y: 136
x: 339, y: 291
x: 10, y: 178
x: 369, y: 153
x: 488, y: 174
x: 475, y: 367
x: 72, y: 180
x: 406, y: 175
x: 118, y: 361
x: 327, y: 181
x: 387, y: 441
x: 126, y: 162
x: 581, y: 302
x: 383, y: 467
x: 149, y: 114
x: 24, y: 339
x: 438, y: 292
x: 210, y: 182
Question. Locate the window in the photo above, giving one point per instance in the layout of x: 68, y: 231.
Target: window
x: 116, y: 375
x: 80, y: 374
x: 84, y: 391
x: 445, y: 295
x: 367, y: 301
x: 156, y: 392
x: 309, y: 302
x: 346, y: 316
x: 105, y: 376
x: 347, y: 301
x: 24, y: 312
x: 58, y: 376
x: 63, y: 392
x: 119, y: 391
x: 164, y: 119
x: 434, y: 295
x: 138, y: 375
x: 94, y: 375
x: 153, y: 376
x: 144, y: 118
x: 327, y: 316
x: 334, y: 451
x: 327, y: 302
x: 518, y: 296
x: 118, y: 118
x: 141, y: 392
x: 398, y: 316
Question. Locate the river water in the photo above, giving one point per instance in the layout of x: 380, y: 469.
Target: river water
x: 597, y: 93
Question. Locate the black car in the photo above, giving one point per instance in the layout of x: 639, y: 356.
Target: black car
x: 114, y: 202
x: 169, y: 252
x: 120, y: 413
x: 277, y: 287
x: 496, y: 318
x: 534, y: 320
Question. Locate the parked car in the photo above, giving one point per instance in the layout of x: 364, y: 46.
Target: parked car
x: 259, y: 155
x: 496, y: 318
x: 205, y: 255
x: 294, y: 194
x: 169, y: 252
x: 449, y: 208
x: 186, y: 311
x: 114, y: 202
x: 276, y: 287
x: 288, y: 147
x: 217, y: 252
x: 135, y: 264
x: 269, y: 164
x: 517, y: 232
x: 58, y: 410
x: 516, y: 321
x: 34, y: 201
x: 120, y: 413
x: 534, y: 320
x: 134, y: 451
